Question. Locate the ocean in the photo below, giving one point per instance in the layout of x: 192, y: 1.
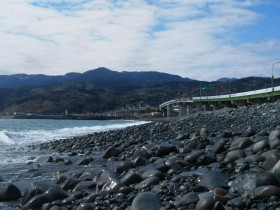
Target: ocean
x: 15, y: 134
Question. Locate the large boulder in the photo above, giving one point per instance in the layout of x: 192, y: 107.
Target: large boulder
x: 111, y: 152
x: 9, y: 192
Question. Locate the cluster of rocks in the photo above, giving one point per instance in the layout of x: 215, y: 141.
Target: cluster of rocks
x: 227, y: 159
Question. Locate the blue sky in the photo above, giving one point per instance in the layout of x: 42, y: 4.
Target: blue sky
x: 200, y: 39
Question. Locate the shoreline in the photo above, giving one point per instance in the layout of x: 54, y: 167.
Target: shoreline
x: 202, y: 161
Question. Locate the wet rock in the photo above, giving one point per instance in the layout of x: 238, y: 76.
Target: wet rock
x: 173, y: 165
x: 260, y: 146
x: 9, y: 192
x: 84, y: 185
x: 55, y: 193
x: 238, y: 202
x: 87, y: 175
x: 185, y: 200
x: 108, y: 180
x: 125, y: 190
x: 254, y: 158
x: 192, y: 157
x: 60, y: 178
x: 220, y: 195
x: 271, y: 158
x: 276, y: 170
x: 165, y: 148
x: 266, y: 178
x: 111, y: 152
x: 139, y: 161
x: 70, y: 183
x: 274, y: 135
x: 213, y: 179
x: 141, y: 152
x: 275, y: 144
x: 124, y: 166
x: 147, y: 183
x: 241, y: 143
x: 146, y: 200
x: 233, y: 156
x: 85, y: 161
x: 131, y: 177
x: 205, y: 203
x: 152, y: 172
x: 267, y: 191
x: 55, y: 208
x: 85, y: 206
x: 218, y: 147
x: 35, y: 188
x: 36, y: 202
x: 159, y: 165
x: 196, y: 143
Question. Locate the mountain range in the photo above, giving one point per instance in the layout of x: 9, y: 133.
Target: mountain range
x: 101, y: 77
x: 101, y: 90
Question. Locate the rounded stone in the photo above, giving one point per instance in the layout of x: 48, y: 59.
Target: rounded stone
x: 260, y: 145
x: 152, y: 172
x: 56, y: 193
x: 146, y: 200
x: 213, y: 179
x: 254, y: 158
x: 276, y: 170
x: 147, y: 183
x: 234, y: 155
x: 206, y: 202
x: 266, y: 178
x: 267, y: 191
x: 238, y: 202
x: 131, y: 178
x: 274, y: 135
x: 241, y: 143
x: 192, y: 158
x: 141, y: 152
x: 124, y: 166
x: 271, y: 158
x: 85, y: 161
x: 165, y: 148
x: 85, y: 206
x: 111, y: 152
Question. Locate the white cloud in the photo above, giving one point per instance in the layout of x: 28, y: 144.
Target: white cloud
x: 186, y: 37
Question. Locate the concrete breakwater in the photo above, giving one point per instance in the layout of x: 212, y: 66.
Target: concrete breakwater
x: 225, y: 159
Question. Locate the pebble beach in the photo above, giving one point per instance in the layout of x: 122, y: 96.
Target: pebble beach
x: 225, y: 159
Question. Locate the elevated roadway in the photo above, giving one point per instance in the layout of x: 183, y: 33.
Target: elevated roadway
x: 183, y: 106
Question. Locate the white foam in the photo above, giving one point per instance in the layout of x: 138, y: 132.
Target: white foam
x: 5, y: 139
x: 38, y: 136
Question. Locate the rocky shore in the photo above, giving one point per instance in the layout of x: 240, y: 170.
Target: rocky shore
x: 225, y: 159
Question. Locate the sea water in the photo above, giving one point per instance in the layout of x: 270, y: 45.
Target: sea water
x: 15, y: 134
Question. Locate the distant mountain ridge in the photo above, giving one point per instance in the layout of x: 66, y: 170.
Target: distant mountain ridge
x: 226, y: 79
x: 101, y: 77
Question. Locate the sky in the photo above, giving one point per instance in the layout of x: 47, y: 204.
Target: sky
x: 198, y: 39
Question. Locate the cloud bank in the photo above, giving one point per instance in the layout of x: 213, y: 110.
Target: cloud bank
x: 200, y: 39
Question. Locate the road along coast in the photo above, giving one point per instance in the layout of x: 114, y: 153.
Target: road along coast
x: 225, y: 159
